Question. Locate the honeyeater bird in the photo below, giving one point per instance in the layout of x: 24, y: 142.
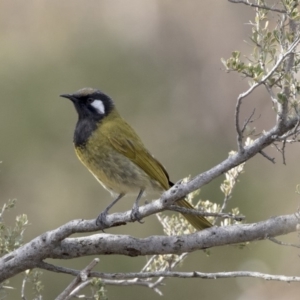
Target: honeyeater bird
x: 112, y: 151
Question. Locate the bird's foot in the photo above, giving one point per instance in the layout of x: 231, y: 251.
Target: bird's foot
x: 101, y: 221
x: 135, y: 214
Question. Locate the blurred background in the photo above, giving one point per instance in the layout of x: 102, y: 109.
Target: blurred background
x: 160, y: 62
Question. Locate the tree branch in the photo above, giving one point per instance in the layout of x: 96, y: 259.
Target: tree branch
x: 202, y: 275
x: 246, y: 2
x: 33, y: 253
x: 116, y: 278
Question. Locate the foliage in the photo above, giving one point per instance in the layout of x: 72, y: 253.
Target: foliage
x: 269, y: 40
x: 11, y: 238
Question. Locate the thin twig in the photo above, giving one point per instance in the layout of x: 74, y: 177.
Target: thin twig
x: 149, y: 261
x: 81, y: 277
x: 73, y: 272
x: 223, y: 207
x: 195, y: 274
x: 283, y: 152
x: 246, y: 2
x: 277, y: 147
x: 80, y: 286
x: 131, y: 278
x: 272, y: 95
x: 274, y: 240
x: 271, y: 159
x: 202, y: 275
x: 23, y: 297
x: 248, y: 121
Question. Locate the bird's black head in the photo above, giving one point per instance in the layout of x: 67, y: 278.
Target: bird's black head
x: 92, y: 107
x: 91, y: 103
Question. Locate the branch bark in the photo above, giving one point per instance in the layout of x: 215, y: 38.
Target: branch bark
x: 48, y: 245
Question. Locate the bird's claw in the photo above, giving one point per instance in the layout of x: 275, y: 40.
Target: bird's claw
x: 135, y: 215
x: 101, y: 221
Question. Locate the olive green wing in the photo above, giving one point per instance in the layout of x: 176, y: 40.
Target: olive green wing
x: 124, y: 140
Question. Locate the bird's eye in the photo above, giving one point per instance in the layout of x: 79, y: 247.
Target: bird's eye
x: 89, y: 100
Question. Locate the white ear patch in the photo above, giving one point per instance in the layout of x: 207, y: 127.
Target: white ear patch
x: 99, y: 106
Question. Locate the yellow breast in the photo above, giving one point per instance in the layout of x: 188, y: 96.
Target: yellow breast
x: 113, y: 170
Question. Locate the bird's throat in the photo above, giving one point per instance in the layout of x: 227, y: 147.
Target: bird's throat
x: 84, y: 129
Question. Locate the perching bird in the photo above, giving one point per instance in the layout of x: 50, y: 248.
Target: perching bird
x: 112, y: 151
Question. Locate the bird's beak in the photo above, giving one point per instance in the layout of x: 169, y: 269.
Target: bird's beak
x: 68, y: 96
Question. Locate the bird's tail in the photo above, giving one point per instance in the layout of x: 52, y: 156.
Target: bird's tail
x: 198, y: 222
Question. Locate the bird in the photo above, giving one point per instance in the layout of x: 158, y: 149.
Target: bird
x: 113, y: 152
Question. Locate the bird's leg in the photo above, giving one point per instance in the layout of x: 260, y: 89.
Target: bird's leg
x: 101, y: 219
x: 135, y: 214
